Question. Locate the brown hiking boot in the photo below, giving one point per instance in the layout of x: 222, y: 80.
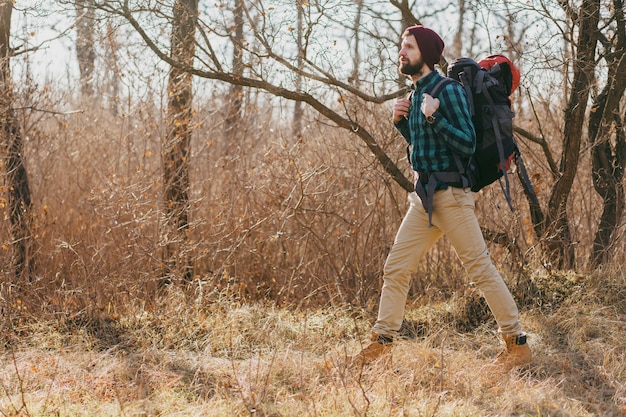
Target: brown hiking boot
x: 379, y: 348
x: 515, y: 353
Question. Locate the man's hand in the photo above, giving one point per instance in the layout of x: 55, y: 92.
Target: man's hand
x: 401, y: 109
x: 429, y: 105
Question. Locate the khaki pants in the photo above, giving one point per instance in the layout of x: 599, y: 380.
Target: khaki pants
x: 453, y: 215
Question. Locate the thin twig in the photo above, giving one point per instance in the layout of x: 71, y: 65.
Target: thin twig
x: 33, y: 108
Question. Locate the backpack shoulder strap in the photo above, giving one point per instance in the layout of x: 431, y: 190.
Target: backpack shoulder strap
x: 440, y: 85
x: 435, y: 92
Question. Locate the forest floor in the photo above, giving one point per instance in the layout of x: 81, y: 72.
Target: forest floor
x: 234, y: 358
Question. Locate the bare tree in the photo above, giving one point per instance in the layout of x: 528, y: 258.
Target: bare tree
x: 557, y: 233
x: 608, y: 137
x: 297, y: 109
x: 19, y: 198
x: 176, y: 149
x: 85, y: 37
x: 265, y: 52
x: 235, y: 96
x: 356, y: 54
x: 457, y: 44
x: 112, y: 87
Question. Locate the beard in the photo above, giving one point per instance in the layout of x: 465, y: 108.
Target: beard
x: 412, y: 68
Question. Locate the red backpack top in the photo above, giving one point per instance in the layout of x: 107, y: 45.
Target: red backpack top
x: 512, y: 79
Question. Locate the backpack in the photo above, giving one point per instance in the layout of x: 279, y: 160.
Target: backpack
x: 488, y: 84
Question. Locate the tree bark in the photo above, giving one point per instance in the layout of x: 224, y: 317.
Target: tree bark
x: 235, y: 99
x: 19, y: 199
x: 457, y: 43
x: 85, y: 20
x: 176, y: 150
x: 297, y: 107
x: 356, y: 54
x: 112, y: 69
x: 608, y: 176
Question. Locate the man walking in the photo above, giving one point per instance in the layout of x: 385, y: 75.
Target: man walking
x: 437, y: 129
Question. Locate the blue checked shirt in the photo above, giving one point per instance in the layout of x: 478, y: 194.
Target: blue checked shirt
x: 432, y: 145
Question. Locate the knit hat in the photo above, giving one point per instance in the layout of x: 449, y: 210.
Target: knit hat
x: 430, y: 44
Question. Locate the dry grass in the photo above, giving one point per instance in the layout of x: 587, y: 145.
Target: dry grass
x: 189, y: 358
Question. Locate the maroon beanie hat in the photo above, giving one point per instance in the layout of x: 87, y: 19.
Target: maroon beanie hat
x: 430, y: 44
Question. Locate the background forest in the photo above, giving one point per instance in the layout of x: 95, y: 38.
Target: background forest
x: 218, y: 174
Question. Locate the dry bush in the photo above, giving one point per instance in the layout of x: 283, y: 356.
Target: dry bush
x: 301, y: 221
x: 97, y: 186
x: 304, y: 221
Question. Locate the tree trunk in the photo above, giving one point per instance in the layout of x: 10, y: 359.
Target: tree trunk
x: 407, y: 19
x: 176, y: 151
x: 235, y: 99
x: 608, y: 183
x: 356, y: 54
x: 558, y: 240
x: 113, y: 72
x: 19, y: 203
x: 608, y: 162
x: 85, y: 21
x: 457, y: 43
x: 297, y: 107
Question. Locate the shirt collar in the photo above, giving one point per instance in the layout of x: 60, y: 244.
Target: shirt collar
x: 426, y: 81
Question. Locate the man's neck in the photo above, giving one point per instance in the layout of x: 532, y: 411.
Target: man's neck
x: 425, y: 71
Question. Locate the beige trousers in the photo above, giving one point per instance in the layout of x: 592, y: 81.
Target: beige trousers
x: 453, y: 216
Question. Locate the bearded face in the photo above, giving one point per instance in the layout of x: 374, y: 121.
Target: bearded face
x: 411, y: 62
x: 412, y: 68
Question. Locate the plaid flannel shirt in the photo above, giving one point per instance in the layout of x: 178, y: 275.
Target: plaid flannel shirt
x: 432, y: 145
